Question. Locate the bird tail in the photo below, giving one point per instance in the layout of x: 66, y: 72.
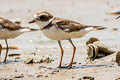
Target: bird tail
x: 99, y: 27
x: 92, y: 28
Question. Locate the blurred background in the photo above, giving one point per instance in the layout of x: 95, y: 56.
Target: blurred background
x: 90, y: 12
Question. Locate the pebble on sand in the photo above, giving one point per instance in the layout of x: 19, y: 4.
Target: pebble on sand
x: 39, y: 59
x: 13, y: 54
x: 87, y: 78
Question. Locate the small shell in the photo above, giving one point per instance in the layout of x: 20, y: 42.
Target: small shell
x: 29, y: 61
x: 92, y: 51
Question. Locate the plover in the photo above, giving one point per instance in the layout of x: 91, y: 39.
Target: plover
x: 10, y: 30
x: 61, y: 29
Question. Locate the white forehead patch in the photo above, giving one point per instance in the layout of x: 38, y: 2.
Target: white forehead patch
x: 35, y: 15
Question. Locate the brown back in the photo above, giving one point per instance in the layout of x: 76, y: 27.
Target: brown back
x: 5, y: 23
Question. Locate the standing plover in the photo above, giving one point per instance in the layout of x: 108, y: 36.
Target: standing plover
x: 10, y: 30
x: 61, y: 29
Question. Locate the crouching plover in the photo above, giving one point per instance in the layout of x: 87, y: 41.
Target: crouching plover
x: 61, y: 29
x: 10, y: 30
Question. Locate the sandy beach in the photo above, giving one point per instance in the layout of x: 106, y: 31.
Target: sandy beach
x: 89, y: 12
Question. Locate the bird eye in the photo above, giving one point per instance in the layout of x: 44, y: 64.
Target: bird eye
x: 43, y: 17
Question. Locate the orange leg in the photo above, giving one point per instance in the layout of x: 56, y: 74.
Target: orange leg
x: 6, y: 50
x: 61, y: 54
x: 0, y: 52
x: 74, y: 50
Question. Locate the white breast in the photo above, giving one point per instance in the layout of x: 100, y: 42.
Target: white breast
x: 58, y: 34
x: 55, y: 33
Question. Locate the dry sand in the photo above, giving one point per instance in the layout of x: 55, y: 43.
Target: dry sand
x: 91, y: 12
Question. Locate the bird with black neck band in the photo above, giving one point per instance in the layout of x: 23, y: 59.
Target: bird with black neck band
x: 62, y: 29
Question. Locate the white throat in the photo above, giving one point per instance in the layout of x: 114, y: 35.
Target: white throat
x: 42, y: 24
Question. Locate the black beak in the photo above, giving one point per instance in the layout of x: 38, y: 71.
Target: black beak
x: 118, y: 17
x: 33, y: 21
x: 34, y: 29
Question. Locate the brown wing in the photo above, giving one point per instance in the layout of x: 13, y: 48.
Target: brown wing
x: 69, y: 25
x: 5, y: 23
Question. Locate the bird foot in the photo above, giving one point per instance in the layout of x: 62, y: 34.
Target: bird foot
x: 68, y: 67
x: 4, y: 61
x: 62, y: 67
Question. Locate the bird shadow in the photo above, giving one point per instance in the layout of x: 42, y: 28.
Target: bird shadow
x: 87, y: 66
x: 82, y: 67
x: 10, y: 62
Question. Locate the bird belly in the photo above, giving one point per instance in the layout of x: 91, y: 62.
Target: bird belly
x: 58, y: 34
x: 6, y: 34
x: 55, y: 34
x: 78, y: 34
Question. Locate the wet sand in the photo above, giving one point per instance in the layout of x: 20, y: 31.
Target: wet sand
x: 84, y: 11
